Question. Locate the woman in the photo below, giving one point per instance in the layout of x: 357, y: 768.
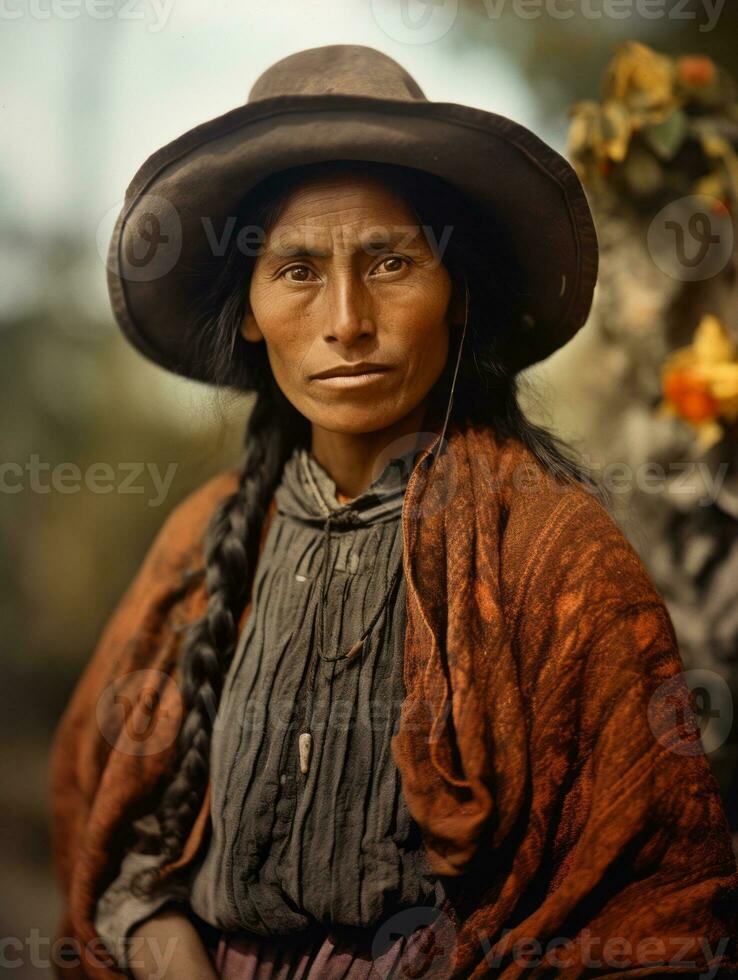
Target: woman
x: 403, y: 539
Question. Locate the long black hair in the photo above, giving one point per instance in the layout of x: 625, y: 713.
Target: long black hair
x: 486, y: 391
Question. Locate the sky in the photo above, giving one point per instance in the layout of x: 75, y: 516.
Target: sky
x: 90, y: 88
x: 84, y: 100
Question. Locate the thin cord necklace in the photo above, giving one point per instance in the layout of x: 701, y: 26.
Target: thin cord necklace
x: 305, y: 740
x: 344, y: 517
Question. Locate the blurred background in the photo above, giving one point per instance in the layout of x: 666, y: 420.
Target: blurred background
x: 90, y: 89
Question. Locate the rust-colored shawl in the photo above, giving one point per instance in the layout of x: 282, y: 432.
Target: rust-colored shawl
x: 544, y: 744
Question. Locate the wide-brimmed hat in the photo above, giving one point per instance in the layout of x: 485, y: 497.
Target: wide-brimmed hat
x: 345, y: 102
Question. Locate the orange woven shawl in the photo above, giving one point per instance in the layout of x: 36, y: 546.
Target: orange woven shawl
x: 544, y: 744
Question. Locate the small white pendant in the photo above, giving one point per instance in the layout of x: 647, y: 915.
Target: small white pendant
x: 304, y: 745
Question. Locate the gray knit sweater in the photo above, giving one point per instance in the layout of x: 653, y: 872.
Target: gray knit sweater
x: 336, y: 844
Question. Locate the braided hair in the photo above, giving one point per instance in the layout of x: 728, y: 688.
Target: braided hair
x: 486, y: 391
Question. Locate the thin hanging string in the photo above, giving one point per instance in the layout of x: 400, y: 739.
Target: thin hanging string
x: 436, y: 453
x: 345, y: 517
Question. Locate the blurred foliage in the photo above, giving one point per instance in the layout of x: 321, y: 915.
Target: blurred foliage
x: 74, y: 396
x: 563, y: 58
x: 665, y: 128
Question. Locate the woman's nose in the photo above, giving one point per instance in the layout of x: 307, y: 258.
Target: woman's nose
x: 351, y: 314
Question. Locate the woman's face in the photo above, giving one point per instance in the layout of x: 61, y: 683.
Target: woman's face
x: 347, y: 276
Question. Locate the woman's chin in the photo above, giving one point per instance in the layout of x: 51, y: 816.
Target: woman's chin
x: 355, y: 418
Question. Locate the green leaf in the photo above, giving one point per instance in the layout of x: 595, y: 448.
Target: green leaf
x: 666, y: 138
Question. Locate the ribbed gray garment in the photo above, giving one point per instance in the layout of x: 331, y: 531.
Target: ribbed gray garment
x: 335, y: 846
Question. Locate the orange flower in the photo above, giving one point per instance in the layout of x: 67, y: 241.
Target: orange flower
x: 696, y: 71
x: 690, y: 395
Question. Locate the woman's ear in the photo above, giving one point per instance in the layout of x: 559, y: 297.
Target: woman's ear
x: 250, y: 328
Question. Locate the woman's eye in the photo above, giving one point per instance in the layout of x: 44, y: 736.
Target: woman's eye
x: 393, y: 263
x: 303, y: 273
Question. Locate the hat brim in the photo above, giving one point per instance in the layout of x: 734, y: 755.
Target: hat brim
x: 178, y: 205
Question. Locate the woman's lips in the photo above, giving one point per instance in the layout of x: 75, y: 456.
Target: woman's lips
x: 351, y: 380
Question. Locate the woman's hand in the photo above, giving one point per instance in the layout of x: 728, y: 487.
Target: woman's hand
x: 168, y: 946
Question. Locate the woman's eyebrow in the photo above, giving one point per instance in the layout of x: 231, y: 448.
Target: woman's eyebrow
x: 389, y: 238
x: 372, y: 242
x: 388, y: 244
x: 296, y: 249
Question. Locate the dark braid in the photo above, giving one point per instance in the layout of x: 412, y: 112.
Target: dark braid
x: 231, y: 553
x: 486, y: 392
x: 230, y: 550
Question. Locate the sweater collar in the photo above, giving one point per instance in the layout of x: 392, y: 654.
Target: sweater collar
x: 308, y: 493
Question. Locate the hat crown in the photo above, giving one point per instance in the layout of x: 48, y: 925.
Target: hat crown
x: 344, y: 102
x: 337, y: 69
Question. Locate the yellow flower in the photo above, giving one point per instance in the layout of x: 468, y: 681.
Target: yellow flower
x: 712, y: 343
x: 616, y: 129
x: 598, y: 134
x: 584, y: 128
x: 641, y: 80
x: 700, y: 381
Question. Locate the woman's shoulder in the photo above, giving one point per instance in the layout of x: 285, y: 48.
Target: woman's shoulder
x: 571, y: 581
x: 183, y: 529
x: 559, y: 532
x: 531, y: 494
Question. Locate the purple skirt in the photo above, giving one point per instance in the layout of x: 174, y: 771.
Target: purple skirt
x: 334, y: 955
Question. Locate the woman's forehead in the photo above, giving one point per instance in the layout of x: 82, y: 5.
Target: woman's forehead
x: 343, y: 197
x: 323, y: 239
x: 344, y: 213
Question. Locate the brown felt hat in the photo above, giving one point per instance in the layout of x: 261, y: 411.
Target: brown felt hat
x: 345, y: 102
